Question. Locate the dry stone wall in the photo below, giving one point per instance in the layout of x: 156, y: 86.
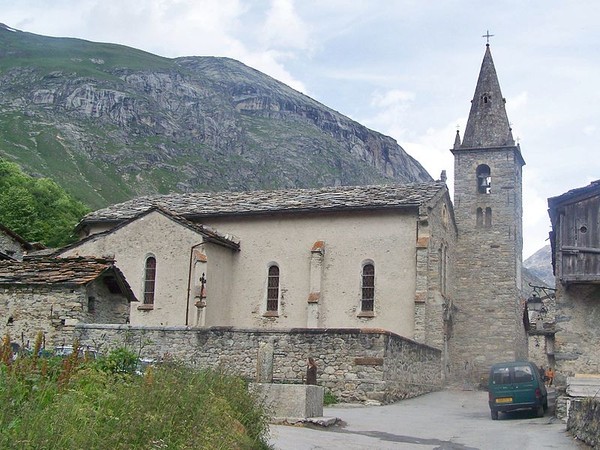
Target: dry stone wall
x: 584, y: 421
x: 356, y: 365
x: 576, y: 347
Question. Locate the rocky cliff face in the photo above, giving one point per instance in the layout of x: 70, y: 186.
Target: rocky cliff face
x: 109, y: 123
x: 540, y: 266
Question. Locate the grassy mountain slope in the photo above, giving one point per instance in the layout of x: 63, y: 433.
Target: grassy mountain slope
x: 109, y: 123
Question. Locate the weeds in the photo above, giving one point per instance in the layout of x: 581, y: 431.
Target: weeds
x: 51, y: 403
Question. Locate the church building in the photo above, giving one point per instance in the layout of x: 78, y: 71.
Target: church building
x: 399, y: 258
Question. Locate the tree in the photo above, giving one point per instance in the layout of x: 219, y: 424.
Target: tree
x: 38, y: 209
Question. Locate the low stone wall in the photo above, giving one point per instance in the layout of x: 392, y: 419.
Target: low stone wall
x: 584, y: 420
x: 356, y: 365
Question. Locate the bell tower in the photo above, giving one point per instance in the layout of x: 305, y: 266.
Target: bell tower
x: 487, y: 320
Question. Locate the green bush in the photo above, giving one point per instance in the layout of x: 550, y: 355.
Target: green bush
x: 96, y: 407
x: 329, y: 398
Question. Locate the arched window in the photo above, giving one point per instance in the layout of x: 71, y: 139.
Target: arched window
x: 484, y: 179
x: 368, y: 287
x: 273, y: 289
x: 149, y: 280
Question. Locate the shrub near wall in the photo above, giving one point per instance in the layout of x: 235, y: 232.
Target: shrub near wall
x: 584, y: 420
x: 356, y: 365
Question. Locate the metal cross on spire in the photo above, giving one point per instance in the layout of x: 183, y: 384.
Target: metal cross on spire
x: 487, y: 35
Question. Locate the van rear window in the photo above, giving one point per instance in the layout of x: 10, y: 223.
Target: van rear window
x: 501, y: 375
x: 516, y: 374
x: 523, y: 374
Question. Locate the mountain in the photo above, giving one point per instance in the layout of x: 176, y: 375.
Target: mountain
x: 539, y: 265
x: 109, y: 123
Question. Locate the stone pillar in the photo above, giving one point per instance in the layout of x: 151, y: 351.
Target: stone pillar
x: 264, y: 363
x: 316, y: 274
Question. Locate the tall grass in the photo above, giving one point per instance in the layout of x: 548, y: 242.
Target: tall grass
x: 73, y: 404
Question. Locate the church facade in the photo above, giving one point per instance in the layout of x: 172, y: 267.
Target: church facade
x: 398, y: 259
x: 343, y: 257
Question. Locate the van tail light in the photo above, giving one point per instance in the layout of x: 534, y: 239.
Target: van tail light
x: 538, y: 393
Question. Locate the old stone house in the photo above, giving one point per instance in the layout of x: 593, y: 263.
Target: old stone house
x: 575, y: 240
x: 52, y: 296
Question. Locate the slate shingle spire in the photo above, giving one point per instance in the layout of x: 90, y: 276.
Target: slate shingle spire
x: 488, y: 124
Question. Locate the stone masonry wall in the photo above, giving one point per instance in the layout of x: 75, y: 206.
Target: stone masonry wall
x: 354, y: 364
x: 487, y: 310
x: 27, y: 310
x: 576, y: 348
x: 584, y: 421
x: 54, y: 310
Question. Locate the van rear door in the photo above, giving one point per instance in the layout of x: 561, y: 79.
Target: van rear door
x: 514, y: 384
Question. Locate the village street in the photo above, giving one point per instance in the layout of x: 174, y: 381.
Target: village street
x: 448, y: 420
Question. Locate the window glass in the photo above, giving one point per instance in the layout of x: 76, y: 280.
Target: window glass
x: 368, y: 287
x: 150, y: 280
x: 273, y: 289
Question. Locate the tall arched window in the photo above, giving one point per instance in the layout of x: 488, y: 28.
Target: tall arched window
x: 484, y: 179
x: 368, y: 287
x: 273, y: 289
x: 149, y: 280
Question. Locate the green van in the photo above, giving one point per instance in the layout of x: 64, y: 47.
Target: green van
x: 514, y: 386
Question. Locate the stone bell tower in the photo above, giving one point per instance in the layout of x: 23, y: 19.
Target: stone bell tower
x: 487, y: 319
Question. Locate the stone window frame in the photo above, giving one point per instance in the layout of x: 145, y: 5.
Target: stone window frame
x: 273, y: 290
x: 149, y: 282
x: 367, y: 289
x: 483, y: 178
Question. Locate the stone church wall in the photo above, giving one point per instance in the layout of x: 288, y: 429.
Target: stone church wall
x: 354, y: 364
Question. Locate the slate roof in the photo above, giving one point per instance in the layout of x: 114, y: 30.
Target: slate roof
x: 60, y: 271
x: 204, y: 204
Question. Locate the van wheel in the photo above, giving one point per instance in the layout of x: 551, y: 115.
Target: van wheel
x: 494, y: 414
x: 540, y: 411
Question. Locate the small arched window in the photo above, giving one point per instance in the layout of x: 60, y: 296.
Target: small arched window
x: 484, y: 179
x: 149, y: 280
x: 273, y: 289
x: 368, y: 288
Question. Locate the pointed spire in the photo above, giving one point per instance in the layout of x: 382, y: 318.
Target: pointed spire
x: 457, y: 140
x: 488, y: 124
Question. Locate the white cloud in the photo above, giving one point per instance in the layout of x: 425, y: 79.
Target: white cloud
x: 284, y: 28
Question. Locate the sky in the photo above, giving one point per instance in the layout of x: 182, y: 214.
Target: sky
x: 405, y: 68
